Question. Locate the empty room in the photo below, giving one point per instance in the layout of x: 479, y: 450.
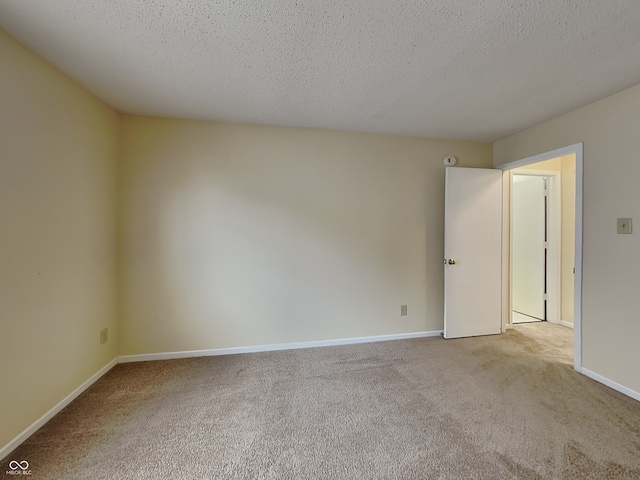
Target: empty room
x: 319, y: 239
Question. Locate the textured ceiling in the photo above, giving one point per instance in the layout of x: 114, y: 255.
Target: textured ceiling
x: 460, y: 69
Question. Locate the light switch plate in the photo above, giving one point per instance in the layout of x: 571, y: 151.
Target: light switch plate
x: 624, y: 225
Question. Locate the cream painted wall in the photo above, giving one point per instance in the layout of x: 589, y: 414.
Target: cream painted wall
x: 554, y: 164
x: 237, y: 235
x: 57, y: 205
x: 566, y: 165
x: 611, y: 262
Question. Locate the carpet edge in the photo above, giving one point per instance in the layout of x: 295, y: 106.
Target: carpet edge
x: 610, y: 383
x: 52, y: 412
x: 273, y: 347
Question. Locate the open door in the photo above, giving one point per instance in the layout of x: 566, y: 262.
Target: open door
x: 473, y: 252
x: 529, y: 237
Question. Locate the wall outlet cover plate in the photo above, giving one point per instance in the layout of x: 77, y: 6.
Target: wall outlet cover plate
x: 624, y: 225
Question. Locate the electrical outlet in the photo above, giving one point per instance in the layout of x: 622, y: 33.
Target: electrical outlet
x: 104, y: 335
x: 403, y: 310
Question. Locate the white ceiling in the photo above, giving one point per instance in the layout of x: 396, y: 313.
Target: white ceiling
x: 459, y: 69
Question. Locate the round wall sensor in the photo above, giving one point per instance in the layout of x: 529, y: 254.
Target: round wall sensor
x: 450, y: 161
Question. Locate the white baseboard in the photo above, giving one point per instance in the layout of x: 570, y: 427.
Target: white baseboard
x: 611, y: 384
x: 13, y: 444
x: 566, y: 324
x: 273, y: 347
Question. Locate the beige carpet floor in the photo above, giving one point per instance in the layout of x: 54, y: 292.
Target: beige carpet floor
x: 498, y: 407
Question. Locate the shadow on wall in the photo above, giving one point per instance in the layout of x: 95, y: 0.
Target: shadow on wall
x: 231, y: 257
x: 240, y: 235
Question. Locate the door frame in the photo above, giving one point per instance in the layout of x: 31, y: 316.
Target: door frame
x: 554, y: 240
x: 577, y: 150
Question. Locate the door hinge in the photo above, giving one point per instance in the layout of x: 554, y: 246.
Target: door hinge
x: 545, y: 297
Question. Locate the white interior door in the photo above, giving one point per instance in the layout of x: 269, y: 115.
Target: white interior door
x: 473, y: 252
x: 528, y: 248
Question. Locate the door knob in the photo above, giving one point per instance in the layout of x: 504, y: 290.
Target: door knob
x: 451, y: 261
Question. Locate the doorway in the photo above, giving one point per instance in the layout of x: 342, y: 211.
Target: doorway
x: 554, y: 276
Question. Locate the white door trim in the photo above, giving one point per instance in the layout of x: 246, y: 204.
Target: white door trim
x: 576, y: 149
